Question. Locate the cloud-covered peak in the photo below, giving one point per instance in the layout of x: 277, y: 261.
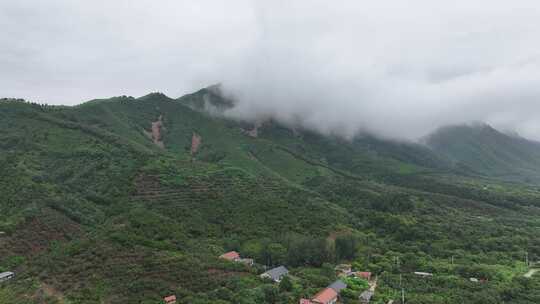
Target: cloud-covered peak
x: 396, y: 69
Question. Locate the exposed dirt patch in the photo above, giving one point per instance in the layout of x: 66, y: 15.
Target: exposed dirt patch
x: 196, y: 141
x: 156, y: 132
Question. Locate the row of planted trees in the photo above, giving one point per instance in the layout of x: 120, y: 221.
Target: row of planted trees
x: 299, y: 250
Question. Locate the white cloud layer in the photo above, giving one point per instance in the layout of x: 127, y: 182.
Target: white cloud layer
x: 395, y: 68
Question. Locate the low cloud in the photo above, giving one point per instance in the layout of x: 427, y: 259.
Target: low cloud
x: 398, y: 70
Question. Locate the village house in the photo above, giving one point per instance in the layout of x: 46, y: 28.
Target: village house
x: 170, y: 299
x: 338, y: 286
x: 366, y: 275
x: 328, y: 295
x: 8, y: 275
x: 343, y: 270
x: 275, y: 274
x: 248, y: 262
x: 232, y: 256
x: 325, y: 296
x: 423, y: 274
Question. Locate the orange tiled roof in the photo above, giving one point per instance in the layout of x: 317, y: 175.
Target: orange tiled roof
x: 325, y: 296
x: 364, y: 274
x: 231, y: 255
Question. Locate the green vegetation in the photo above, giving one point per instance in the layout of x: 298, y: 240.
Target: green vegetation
x: 355, y: 287
x: 93, y: 212
x: 484, y: 150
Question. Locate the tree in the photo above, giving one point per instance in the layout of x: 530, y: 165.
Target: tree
x: 231, y: 244
x: 346, y: 247
x: 305, y: 250
x: 355, y: 286
x: 275, y: 253
x: 271, y: 294
x: 285, y: 285
x: 254, y: 250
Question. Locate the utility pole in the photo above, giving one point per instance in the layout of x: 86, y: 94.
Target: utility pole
x: 402, y: 296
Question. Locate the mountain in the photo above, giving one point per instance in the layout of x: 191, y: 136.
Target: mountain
x: 486, y: 151
x: 128, y: 200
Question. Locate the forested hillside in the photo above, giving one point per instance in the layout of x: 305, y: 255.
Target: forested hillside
x: 489, y: 152
x: 128, y: 200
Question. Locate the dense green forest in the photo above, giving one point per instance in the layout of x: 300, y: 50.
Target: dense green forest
x: 128, y: 200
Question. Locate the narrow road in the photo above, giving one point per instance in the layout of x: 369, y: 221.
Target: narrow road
x: 531, y: 272
x: 373, y: 285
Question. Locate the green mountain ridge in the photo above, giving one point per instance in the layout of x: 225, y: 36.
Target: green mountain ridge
x: 94, y: 211
x: 489, y: 152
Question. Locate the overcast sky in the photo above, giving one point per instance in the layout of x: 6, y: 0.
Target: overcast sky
x: 394, y: 68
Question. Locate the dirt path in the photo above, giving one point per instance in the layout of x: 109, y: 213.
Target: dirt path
x: 373, y: 285
x: 531, y: 272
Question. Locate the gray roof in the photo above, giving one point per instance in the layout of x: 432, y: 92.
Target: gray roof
x: 277, y: 273
x: 338, y: 286
x: 6, y: 274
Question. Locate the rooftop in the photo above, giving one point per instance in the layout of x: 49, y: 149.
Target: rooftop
x: 338, y: 285
x: 6, y: 274
x: 231, y: 255
x: 325, y: 296
x: 277, y: 272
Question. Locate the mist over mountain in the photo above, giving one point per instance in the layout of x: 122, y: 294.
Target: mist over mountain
x: 391, y: 69
x: 394, y: 74
x: 385, y: 150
